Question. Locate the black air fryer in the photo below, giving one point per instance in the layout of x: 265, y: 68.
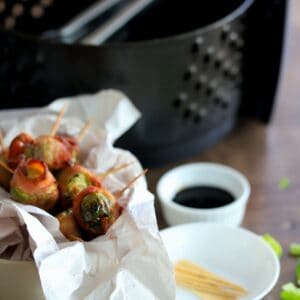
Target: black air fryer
x: 191, y: 67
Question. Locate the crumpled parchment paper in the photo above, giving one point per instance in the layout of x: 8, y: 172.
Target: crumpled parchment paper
x: 129, y: 261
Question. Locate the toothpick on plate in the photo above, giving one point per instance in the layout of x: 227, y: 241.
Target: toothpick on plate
x: 114, y: 170
x: 130, y: 183
x: 58, y: 120
x: 6, y: 167
x: 84, y: 130
x: 200, y: 280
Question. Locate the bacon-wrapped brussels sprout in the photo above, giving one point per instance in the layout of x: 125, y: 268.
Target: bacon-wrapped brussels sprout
x: 72, y: 145
x: 53, y: 151
x: 95, y: 210
x: 20, y: 146
x: 72, y: 180
x: 68, y: 225
x: 32, y: 183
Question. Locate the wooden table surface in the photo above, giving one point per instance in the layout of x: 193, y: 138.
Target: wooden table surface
x: 265, y: 154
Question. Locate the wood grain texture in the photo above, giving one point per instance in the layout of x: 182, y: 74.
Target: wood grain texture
x: 265, y: 154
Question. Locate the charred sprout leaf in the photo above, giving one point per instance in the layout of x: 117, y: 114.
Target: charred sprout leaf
x: 283, y: 183
x: 290, y: 292
x: 295, y: 249
x: 93, y: 207
x: 273, y: 243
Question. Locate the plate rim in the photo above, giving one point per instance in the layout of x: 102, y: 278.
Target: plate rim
x: 257, y: 237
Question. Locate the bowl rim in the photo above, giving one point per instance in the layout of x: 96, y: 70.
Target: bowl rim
x: 205, y: 211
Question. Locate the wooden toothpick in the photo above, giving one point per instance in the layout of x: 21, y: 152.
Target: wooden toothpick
x: 83, y: 131
x: 1, y: 141
x: 130, y: 183
x: 6, y: 167
x: 114, y: 170
x: 58, y: 120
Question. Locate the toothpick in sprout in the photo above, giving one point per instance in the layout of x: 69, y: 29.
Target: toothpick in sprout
x: 6, y: 167
x: 58, y: 120
x: 118, y: 194
x: 1, y: 141
x: 83, y: 131
x: 114, y: 170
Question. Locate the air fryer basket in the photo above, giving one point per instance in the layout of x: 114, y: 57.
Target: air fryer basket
x: 181, y: 65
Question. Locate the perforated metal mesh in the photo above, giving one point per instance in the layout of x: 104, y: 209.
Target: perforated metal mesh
x: 34, y: 17
x: 14, y: 12
x: 213, y: 73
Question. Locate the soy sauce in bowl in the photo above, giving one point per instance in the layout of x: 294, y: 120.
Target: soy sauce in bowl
x: 203, y: 197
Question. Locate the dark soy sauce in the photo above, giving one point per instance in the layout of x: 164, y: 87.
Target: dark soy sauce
x: 203, y: 197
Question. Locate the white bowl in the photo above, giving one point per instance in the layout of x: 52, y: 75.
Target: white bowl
x: 208, y: 174
x: 233, y: 253
x: 20, y: 280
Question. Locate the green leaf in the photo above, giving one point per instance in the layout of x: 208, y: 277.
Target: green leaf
x: 294, y: 249
x: 290, y: 292
x: 288, y: 286
x: 298, y: 272
x: 273, y: 243
x: 283, y: 183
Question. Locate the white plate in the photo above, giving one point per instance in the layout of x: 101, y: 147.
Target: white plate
x: 234, y: 253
